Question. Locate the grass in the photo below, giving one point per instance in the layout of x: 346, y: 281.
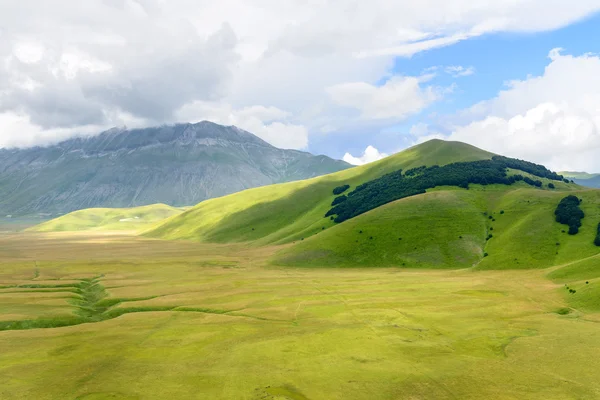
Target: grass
x: 445, y: 228
x: 109, y: 219
x: 266, y: 299
x: 279, y: 214
x: 154, y: 319
x: 448, y: 228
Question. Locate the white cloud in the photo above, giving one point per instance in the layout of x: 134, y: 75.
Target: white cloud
x: 66, y: 68
x: 553, y: 118
x: 410, y: 49
x: 458, y: 71
x: 371, y: 154
x: 397, y: 98
x: 18, y: 131
x: 269, y: 123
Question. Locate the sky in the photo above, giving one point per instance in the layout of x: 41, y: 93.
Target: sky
x: 350, y: 79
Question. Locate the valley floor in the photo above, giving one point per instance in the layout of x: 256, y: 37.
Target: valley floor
x: 95, y: 316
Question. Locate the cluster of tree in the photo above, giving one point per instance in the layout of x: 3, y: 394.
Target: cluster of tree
x: 339, y: 200
x: 569, y: 213
x: 531, y: 182
x: 340, y: 189
x: 396, y: 185
x: 529, y: 167
x: 597, y: 240
x: 415, y: 171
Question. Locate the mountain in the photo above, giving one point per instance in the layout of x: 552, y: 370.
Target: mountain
x: 178, y: 165
x: 583, y: 178
x: 507, y: 222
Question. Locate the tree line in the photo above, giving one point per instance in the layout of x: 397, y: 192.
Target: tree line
x: 396, y: 185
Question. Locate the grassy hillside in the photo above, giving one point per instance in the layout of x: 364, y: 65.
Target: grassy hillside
x: 491, y: 227
x: 284, y: 213
x: 449, y: 228
x: 109, y: 219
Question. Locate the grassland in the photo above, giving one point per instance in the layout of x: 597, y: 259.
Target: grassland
x: 453, y: 294
x: 449, y: 228
x: 109, y: 219
x: 280, y: 214
x: 154, y: 319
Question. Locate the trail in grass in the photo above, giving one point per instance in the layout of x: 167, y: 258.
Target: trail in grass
x: 92, y: 304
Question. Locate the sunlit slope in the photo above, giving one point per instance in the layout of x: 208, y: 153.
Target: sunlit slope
x: 449, y: 228
x: 109, y: 219
x: 287, y: 212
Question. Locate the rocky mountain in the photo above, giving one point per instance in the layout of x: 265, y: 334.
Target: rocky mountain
x: 178, y: 165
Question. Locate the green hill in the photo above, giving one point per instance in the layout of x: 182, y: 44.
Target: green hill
x: 280, y: 214
x: 447, y: 227
x: 109, y: 219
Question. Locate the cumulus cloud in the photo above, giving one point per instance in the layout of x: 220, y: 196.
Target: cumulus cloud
x: 371, y: 154
x: 17, y: 130
x: 397, y: 98
x: 553, y: 118
x: 66, y: 68
x: 269, y: 123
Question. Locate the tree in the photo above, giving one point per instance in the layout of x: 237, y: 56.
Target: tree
x: 340, y: 189
x: 569, y: 213
x: 339, y: 200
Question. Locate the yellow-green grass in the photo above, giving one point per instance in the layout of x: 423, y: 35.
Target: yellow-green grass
x: 448, y: 228
x: 233, y: 327
x: 109, y: 219
x: 283, y: 213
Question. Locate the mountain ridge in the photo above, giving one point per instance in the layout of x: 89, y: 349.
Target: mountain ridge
x: 584, y: 178
x: 179, y: 165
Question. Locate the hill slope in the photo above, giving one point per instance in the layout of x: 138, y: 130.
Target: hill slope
x: 177, y: 165
x: 109, y: 219
x: 447, y: 227
x: 283, y: 213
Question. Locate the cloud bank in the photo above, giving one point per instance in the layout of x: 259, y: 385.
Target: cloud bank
x: 69, y: 69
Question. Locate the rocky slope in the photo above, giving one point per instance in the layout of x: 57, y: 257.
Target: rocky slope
x: 177, y: 165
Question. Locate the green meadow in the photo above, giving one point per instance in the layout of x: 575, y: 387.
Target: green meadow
x: 142, y: 319
x: 453, y: 294
x: 109, y: 219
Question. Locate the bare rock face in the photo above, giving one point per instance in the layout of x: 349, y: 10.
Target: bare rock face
x: 177, y: 165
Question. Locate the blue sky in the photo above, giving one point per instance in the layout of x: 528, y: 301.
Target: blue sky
x: 496, y: 59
